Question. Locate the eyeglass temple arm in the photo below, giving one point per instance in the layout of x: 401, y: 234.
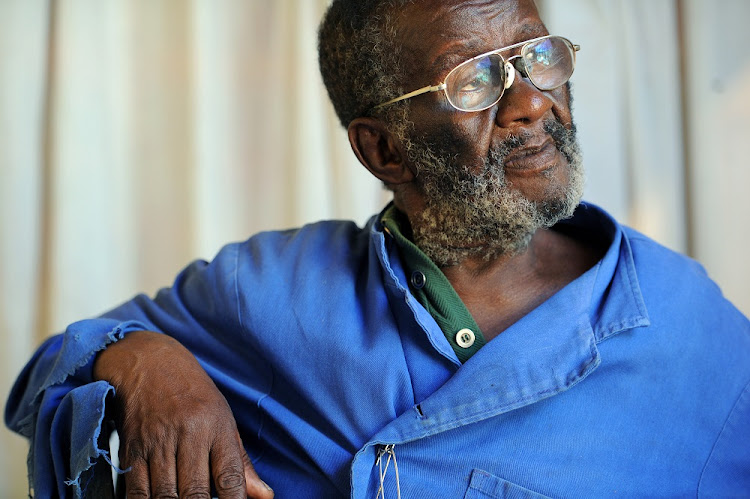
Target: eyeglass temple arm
x: 423, y: 90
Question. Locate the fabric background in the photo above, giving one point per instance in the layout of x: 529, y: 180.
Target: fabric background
x: 136, y: 136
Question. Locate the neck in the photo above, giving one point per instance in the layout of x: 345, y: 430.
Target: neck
x: 499, y: 291
x: 505, y: 267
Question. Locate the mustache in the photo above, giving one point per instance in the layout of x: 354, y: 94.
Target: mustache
x: 563, y: 137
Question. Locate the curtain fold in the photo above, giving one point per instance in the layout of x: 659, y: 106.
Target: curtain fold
x: 23, y: 71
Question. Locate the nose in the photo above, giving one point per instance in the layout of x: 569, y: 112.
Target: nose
x: 522, y: 104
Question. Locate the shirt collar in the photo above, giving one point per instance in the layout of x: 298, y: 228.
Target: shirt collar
x: 613, y: 276
x: 616, y: 300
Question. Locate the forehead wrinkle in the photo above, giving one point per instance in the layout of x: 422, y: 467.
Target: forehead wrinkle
x: 487, y: 8
x: 455, y: 25
x: 533, y: 30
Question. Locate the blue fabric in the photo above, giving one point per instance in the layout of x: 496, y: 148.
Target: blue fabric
x: 631, y: 381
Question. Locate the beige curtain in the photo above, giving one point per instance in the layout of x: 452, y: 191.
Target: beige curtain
x: 137, y: 135
x: 23, y: 34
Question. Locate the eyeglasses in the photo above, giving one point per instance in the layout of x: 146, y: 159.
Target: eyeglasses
x: 479, y: 83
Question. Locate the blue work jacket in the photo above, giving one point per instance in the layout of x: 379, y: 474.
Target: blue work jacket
x: 630, y: 381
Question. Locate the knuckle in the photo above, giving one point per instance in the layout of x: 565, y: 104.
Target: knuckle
x: 137, y: 493
x: 165, y: 491
x: 196, y: 491
x: 230, y: 479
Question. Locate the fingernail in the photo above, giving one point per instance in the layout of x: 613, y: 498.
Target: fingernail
x: 266, y: 485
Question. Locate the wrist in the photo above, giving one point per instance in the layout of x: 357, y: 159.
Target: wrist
x: 123, y: 354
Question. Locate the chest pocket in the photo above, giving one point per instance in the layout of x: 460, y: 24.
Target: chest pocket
x: 484, y: 486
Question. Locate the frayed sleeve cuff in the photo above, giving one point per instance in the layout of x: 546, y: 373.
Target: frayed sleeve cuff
x: 60, y: 408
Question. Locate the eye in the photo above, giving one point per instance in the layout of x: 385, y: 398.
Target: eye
x: 476, y: 84
x: 478, y: 75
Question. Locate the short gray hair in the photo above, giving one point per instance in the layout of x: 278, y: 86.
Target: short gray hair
x: 360, y: 60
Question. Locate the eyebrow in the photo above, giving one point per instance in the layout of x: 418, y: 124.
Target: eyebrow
x: 450, y: 59
x: 533, y: 30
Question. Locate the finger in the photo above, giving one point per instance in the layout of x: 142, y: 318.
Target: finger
x: 254, y: 486
x: 226, y: 467
x: 193, y: 477
x: 162, y: 469
x: 137, y: 482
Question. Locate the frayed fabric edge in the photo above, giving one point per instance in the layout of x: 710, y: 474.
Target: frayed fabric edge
x: 113, y: 335
x: 95, y: 452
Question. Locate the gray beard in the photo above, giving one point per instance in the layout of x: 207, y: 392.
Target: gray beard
x: 469, y: 214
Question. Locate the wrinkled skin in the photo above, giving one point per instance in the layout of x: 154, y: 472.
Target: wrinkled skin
x: 177, y: 432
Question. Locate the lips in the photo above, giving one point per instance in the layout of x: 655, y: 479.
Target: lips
x: 531, y: 158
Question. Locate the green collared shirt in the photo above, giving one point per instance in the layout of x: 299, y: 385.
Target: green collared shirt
x: 433, y: 290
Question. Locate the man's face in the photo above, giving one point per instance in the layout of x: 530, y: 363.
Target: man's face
x: 488, y: 179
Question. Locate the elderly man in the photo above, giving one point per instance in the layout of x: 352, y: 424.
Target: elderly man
x: 484, y: 336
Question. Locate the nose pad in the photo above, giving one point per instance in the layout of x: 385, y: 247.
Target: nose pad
x: 510, y: 75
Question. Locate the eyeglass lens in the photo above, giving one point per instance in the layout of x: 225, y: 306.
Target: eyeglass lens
x: 479, y: 84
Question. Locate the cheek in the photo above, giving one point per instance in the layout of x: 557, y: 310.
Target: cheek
x: 561, y: 105
x: 479, y: 129
x: 462, y: 137
x: 473, y: 134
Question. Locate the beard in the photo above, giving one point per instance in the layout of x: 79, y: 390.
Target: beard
x: 470, y: 214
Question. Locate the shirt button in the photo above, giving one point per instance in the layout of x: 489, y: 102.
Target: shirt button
x: 465, y: 338
x: 418, y: 279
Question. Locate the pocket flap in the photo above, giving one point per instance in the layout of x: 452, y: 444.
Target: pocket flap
x: 484, y: 485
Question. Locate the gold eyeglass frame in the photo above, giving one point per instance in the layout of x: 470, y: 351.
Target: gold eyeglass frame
x: 509, y: 67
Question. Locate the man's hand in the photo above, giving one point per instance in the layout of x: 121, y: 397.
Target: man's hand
x: 176, y: 429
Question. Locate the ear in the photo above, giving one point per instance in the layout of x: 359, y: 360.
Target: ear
x: 379, y: 151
